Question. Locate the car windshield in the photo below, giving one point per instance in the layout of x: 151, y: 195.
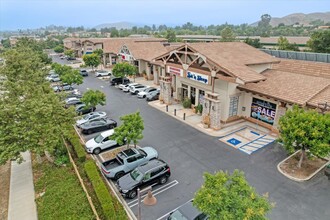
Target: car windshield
x: 142, y: 152
x: 86, y: 117
x: 136, y: 175
x: 177, y: 215
x: 98, y: 138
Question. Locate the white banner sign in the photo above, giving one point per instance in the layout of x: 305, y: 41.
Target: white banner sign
x: 175, y: 71
x: 198, y: 77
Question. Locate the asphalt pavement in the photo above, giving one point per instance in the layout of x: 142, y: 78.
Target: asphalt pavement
x: 190, y: 153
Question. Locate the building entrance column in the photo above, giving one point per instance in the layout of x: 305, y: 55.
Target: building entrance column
x: 211, y: 111
x: 165, y: 90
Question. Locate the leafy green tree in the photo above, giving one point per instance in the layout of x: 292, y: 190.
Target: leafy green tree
x: 227, y: 35
x: 5, y: 43
x: 72, y: 77
x: 59, y: 49
x: 130, y: 130
x: 253, y: 42
x: 32, y: 116
x: 225, y: 196
x: 264, y: 26
x: 124, y: 69
x: 69, y: 53
x: 320, y: 41
x: 305, y: 130
x: 92, y: 98
x: 92, y: 60
x: 36, y: 47
x: 170, y: 36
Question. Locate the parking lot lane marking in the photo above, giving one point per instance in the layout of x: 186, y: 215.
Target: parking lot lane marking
x: 171, y: 211
x: 102, y: 87
x: 154, y: 194
x: 174, y: 181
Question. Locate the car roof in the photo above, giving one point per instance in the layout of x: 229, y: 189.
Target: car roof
x: 151, y: 164
x: 108, y: 133
x: 189, y: 211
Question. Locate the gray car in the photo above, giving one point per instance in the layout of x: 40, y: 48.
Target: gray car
x: 187, y: 212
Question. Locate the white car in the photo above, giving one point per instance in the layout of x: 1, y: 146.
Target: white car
x: 102, y: 73
x: 127, y: 87
x: 122, y: 86
x: 90, y: 117
x: 101, y: 142
x: 53, y: 78
x: 134, y: 90
x: 145, y: 92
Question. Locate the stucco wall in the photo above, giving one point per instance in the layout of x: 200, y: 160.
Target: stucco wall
x: 260, y: 67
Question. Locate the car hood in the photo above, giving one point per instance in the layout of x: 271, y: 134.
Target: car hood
x: 91, y: 143
x: 81, y: 121
x: 126, y: 182
x: 142, y: 93
x: 151, y: 152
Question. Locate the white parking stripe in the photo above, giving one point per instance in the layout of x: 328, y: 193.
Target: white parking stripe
x: 172, y: 211
x: 158, y: 191
x: 174, y: 181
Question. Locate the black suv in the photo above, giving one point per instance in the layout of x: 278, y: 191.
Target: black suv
x: 154, y: 172
x: 119, y: 80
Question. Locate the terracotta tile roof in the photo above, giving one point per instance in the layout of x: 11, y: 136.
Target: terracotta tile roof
x: 291, y: 87
x: 322, y: 97
x: 145, y: 50
x: 304, y: 67
x: 235, y: 57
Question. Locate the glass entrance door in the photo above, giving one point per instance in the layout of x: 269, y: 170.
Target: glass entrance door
x: 193, y: 95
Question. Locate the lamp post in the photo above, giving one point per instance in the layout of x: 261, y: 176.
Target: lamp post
x: 213, y: 74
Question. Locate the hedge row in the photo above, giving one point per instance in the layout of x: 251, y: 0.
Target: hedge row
x: 110, y: 206
x: 77, y: 146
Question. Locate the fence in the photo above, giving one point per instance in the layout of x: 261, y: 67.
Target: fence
x: 317, y: 57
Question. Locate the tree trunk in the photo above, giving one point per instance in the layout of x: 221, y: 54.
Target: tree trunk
x: 302, y: 157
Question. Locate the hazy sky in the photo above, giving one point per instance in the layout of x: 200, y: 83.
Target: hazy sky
x: 21, y: 14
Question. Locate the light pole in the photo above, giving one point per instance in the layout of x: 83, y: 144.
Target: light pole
x: 213, y: 74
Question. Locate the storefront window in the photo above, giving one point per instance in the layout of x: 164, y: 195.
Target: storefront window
x: 193, y: 95
x: 233, y: 106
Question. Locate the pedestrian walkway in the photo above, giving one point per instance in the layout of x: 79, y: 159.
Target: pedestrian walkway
x: 242, y: 135
x: 21, y: 195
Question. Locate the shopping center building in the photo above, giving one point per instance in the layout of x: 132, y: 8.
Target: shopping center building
x: 233, y: 80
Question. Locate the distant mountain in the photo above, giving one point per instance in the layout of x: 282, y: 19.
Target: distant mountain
x: 300, y: 18
x: 117, y: 25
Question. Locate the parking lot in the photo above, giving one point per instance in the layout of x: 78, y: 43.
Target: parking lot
x: 190, y: 153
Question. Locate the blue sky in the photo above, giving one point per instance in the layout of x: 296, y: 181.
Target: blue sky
x: 22, y: 14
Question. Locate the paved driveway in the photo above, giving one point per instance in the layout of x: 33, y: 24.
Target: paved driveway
x: 190, y: 153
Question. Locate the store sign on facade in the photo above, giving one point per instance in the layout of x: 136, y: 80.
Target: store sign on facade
x: 175, y: 71
x: 263, y: 110
x: 125, y: 57
x: 198, y: 77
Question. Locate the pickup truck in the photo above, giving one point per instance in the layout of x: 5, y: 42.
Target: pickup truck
x: 127, y: 160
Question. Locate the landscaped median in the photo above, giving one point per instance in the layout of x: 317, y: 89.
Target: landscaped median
x: 60, y: 194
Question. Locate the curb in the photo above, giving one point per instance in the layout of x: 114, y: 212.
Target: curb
x: 297, y: 179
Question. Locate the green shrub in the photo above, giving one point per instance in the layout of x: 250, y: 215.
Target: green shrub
x: 199, y: 108
x: 77, y: 146
x: 107, y: 201
x: 186, y: 103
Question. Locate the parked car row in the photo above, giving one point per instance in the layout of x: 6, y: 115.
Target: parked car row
x: 142, y: 91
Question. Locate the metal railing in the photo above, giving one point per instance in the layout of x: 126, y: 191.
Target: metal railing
x: 307, y: 56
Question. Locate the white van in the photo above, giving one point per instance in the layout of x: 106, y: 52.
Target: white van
x: 101, y: 142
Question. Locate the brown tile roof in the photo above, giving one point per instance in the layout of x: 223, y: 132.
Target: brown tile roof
x: 235, y: 57
x: 291, y: 87
x: 304, y: 67
x: 322, y: 97
x: 145, y: 50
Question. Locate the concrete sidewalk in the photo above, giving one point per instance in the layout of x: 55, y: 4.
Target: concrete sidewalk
x: 21, y: 195
x: 195, y: 120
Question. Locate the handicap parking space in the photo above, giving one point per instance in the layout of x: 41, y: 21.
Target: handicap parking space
x: 248, y: 140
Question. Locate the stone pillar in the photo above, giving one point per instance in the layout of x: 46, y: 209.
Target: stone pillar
x: 156, y: 74
x: 165, y: 90
x: 211, y: 111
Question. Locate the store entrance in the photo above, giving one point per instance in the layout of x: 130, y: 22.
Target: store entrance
x: 193, y: 95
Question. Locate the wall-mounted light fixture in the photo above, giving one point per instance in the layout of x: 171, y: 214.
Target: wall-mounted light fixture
x: 243, y: 108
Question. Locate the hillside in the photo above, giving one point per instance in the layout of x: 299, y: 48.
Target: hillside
x: 300, y: 18
x: 117, y: 25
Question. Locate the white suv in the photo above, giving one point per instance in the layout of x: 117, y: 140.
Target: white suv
x: 145, y: 92
x: 134, y: 90
x: 102, y: 73
x: 101, y: 142
x: 127, y: 87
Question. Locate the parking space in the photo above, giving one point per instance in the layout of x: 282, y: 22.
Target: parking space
x: 248, y: 140
x: 190, y: 153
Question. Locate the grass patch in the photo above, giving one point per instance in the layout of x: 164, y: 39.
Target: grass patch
x: 63, y: 196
